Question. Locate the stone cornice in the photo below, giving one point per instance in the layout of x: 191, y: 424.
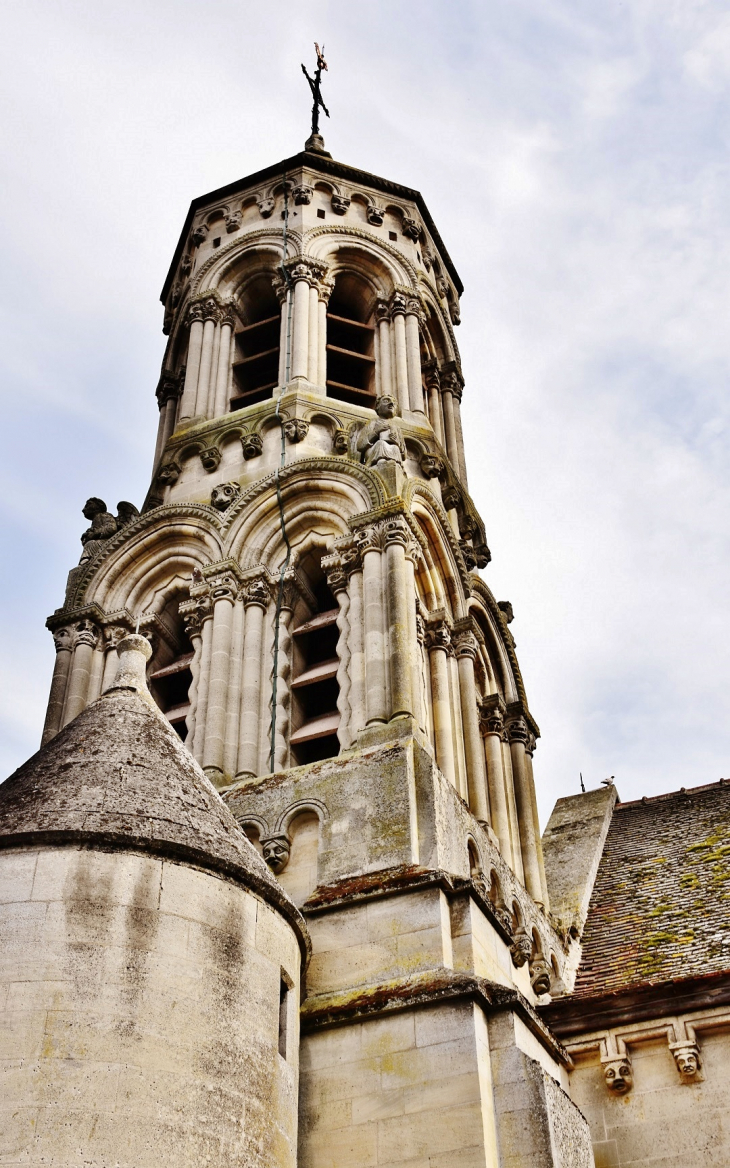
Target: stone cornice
x: 425, y: 989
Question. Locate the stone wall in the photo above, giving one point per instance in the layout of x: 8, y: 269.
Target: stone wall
x: 140, y: 1015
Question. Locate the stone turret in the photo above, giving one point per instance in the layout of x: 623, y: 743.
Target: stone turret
x: 150, y: 961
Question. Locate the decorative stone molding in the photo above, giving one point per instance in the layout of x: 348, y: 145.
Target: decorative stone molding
x: 431, y: 465
x: 411, y: 228
x: 276, y: 850
x: 199, y: 234
x: 252, y: 445
x: 687, y: 1060
x: 375, y: 215
x: 521, y: 948
x: 210, y: 458
x: 266, y: 207
x: 233, y: 222
x: 617, y: 1072
x: 224, y: 494
x: 296, y: 429
x: 303, y: 195
x: 168, y: 474
x: 340, y: 204
x: 540, y: 976
x: 340, y: 442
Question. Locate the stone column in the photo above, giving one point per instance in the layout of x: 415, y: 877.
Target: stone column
x: 398, y: 316
x: 414, y: 637
x: 283, y: 294
x: 313, y: 355
x: 63, y: 640
x: 457, y: 392
x: 374, y: 639
x: 382, y: 317
x: 192, y: 368
x: 166, y: 394
x: 300, y: 328
x: 211, y: 316
x: 193, y: 627
x: 223, y: 596
x: 518, y: 735
x: 113, y: 634
x: 356, y: 617
x: 492, y: 728
x: 438, y: 640
x: 87, y: 635
x: 233, y: 712
x: 433, y: 385
x: 256, y: 597
x: 413, y: 355
x: 281, y: 667
x: 529, y: 751
x: 337, y: 582
x: 201, y: 711
x: 466, y: 647
x: 220, y: 401
x: 324, y: 291
x: 448, y: 381
x: 397, y: 538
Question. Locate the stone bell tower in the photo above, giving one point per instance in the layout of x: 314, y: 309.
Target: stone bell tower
x: 306, y: 568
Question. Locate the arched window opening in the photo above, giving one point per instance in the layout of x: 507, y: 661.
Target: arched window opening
x: 315, y: 690
x: 300, y: 877
x: 350, y: 342
x: 256, y: 352
x: 170, y: 679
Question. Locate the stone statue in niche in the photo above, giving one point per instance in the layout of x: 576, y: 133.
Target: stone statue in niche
x: 381, y: 440
x: 223, y: 495
x: 276, y: 851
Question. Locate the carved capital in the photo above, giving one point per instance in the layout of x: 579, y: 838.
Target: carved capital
x: 113, y: 634
x: 340, y: 204
x: 438, y: 636
x: 168, y: 387
x: 369, y: 539
x: 351, y: 560
x: 491, y: 715
x: 303, y: 195
x: 334, y: 569
x: 276, y: 850
x: 222, y: 496
x: 210, y: 458
x: 86, y: 633
x: 411, y: 228
x: 398, y: 304
x: 306, y: 268
x: 257, y: 592
x: 223, y: 585
x: 375, y: 215
x: 396, y: 530
x: 382, y: 310
x: 233, y: 222
x: 211, y: 309
x: 252, y: 445
x: 296, y: 429
x: 465, y: 645
x: 228, y: 315
x: 63, y: 640
x: 517, y: 731
x: 195, y: 311
x: 168, y: 474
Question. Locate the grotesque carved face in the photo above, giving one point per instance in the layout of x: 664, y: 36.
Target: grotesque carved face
x: 687, y: 1060
x: 617, y: 1073
x: 385, y: 407
x: 339, y: 442
x: 266, y: 207
x: 431, y: 465
x: 276, y: 852
x: 223, y: 495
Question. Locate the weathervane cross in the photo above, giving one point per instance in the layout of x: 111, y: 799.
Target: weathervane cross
x: 315, y: 84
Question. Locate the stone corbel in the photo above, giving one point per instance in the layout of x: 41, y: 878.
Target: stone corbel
x: 411, y: 228
x: 687, y: 1061
x: 199, y: 234
x: 540, y: 976
x: 303, y: 195
x: 210, y: 458
x: 521, y: 948
x: 432, y: 466
x: 224, y: 495
x: 186, y: 266
x: 266, y: 207
x: 340, y: 204
x: 252, y: 445
x: 233, y: 222
x: 276, y: 850
x: 375, y: 215
x: 168, y: 474
x: 616, y: 1065
x: 340, y: 442
x: 296, y: 429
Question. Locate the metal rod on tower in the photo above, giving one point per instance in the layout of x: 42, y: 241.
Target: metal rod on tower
x: 315, y: 140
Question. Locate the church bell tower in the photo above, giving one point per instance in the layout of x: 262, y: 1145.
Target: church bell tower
x: 307, y: 569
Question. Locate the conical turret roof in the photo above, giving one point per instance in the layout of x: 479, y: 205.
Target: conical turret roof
x: 119, y: 776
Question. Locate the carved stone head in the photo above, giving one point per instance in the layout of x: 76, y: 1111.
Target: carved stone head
x: 266, y: 207
x: 276, y: 852
x: 687, y: 1059
x: 340, y: 203
x: 252, y: 445
x: 93, y: 507
x: 223, y: 495
x: 521, y: 948
x: 431, y: 465
x: 303, y: 195
x: 618, y: 1076
x: 210, y: 458
x: 375, y: 216
x: 233, y: 222
x: 296, y: 429
x: 540, y: 977
x: 168, y: 474
x: 385, y: 407
x: 340, y: 442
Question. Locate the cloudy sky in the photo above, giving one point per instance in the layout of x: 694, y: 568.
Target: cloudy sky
x: 575, y: 157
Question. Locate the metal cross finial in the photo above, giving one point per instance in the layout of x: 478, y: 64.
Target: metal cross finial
x: 315, y: 84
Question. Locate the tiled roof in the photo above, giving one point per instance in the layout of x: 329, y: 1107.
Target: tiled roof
x: 660, y: 907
